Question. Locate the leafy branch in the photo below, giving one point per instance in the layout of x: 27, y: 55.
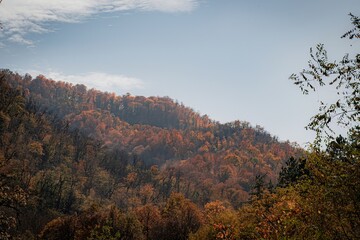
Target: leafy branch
x: 343, y: 75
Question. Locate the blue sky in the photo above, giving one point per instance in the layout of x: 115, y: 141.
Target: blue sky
x: 227, y: 59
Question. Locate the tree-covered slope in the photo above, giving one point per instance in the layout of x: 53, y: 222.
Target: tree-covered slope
x: 65, y: 148
x: 160, y: 130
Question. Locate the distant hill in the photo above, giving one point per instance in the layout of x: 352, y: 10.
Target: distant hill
x: 162, y: 132
x: 72, y: 146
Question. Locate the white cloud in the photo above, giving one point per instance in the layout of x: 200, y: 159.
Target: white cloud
x: 20, y: 17
x: 100, y: 81
x: 17, y: 38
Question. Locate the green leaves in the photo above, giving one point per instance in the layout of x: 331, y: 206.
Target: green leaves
x: 344, y: 76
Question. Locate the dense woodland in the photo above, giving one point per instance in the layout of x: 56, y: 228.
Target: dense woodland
x: 77, y: 163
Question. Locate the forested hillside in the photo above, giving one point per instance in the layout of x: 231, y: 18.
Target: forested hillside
x: 67, y: 149
x: 162, y: 133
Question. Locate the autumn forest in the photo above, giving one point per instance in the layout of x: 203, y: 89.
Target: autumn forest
x: 78, y: 163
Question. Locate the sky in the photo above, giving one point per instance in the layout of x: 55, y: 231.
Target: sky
x: 229, y: 59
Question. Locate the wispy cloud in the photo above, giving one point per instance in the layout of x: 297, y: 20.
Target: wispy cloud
x: 20, y: 17
x: 101, y: 81
x: 18, y: 38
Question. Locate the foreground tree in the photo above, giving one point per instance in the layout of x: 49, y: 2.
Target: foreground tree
x: 334, y: 186
x: 318, y: 198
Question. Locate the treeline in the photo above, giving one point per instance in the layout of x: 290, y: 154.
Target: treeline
x: 63, y: 98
